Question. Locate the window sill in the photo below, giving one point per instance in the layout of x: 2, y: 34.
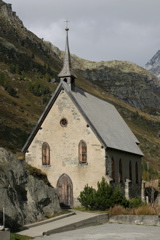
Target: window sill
x: 46, y: 166
x: 85, y: 163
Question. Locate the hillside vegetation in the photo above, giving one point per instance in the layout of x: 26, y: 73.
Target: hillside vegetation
x: 28, y: 77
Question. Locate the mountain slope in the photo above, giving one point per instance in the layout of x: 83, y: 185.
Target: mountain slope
x: 28, y: 77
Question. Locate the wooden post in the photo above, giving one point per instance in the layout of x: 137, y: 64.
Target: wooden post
x: 3, y: 217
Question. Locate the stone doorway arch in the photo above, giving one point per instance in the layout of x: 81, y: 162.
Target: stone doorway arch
x: 65, y: 191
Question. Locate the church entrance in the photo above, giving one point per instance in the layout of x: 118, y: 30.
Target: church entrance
x: 65, y: 191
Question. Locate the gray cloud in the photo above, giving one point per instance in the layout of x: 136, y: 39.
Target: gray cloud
x: 126, y: 30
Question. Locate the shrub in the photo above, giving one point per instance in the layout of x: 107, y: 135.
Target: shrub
x: 145, y: 210
x: 103, y: 198
x: 87, y: 197
x: 118, y: 198
x: 135, y: 202
x: 3, y: 78
x: 45, y: 99
x: 103, y: 195
x: 38, y: 89
x: 118, y: 210
x: 5, y: 83
x: 12, y: 92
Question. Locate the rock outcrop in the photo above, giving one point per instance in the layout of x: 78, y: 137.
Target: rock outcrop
x: 11, y: 17
x: 24, y: 192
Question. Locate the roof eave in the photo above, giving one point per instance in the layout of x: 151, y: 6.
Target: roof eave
x: 133, y: 153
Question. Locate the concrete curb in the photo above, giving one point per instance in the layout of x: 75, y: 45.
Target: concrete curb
x: 99, y: 219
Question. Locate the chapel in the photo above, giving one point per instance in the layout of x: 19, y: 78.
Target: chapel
x: 79, y: 139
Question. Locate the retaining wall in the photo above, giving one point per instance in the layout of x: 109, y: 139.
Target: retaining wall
x: 136, y: 219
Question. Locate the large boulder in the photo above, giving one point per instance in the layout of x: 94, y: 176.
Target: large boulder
x: 25, y: 193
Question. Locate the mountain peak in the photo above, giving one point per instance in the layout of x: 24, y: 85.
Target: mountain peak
x: 154, y: 64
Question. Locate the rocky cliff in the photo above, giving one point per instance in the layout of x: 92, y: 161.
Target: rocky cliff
x: 154, y: 64
x: 24, y: 192
x: 7, y: 13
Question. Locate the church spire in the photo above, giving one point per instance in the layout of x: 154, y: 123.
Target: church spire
x: 66, y: 73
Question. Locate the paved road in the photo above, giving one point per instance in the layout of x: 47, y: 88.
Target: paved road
x: 109, y: 232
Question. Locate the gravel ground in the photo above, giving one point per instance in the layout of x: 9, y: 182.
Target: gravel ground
x: 109, y: 232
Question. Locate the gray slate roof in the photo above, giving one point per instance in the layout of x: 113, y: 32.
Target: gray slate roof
x: 107, y: 122
x: 101, y: 116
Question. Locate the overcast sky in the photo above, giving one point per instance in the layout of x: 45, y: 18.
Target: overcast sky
x: 127, y: 30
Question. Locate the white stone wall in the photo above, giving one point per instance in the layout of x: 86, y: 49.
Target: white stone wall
x: 63, y: 142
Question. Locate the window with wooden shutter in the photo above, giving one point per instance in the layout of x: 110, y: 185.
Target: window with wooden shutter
x: 45, y: 154
x: 82, y: 152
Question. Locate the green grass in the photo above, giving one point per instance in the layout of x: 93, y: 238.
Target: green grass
x: 80, y: 208
x: 19, y: 237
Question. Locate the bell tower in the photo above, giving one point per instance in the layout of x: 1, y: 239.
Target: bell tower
x: 66, y: 73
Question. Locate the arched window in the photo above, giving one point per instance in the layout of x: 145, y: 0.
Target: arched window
x: 120, y: 170
x: 136, y: 172
x: 82, y: 152
x: 45, y: 154
x: 130, y: 171
x: 113, y: 169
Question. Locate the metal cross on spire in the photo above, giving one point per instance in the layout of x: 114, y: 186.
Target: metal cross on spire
x: 66, y: 73
x: 67, y: 21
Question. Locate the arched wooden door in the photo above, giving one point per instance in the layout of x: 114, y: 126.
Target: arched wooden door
x: 65, y: 191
